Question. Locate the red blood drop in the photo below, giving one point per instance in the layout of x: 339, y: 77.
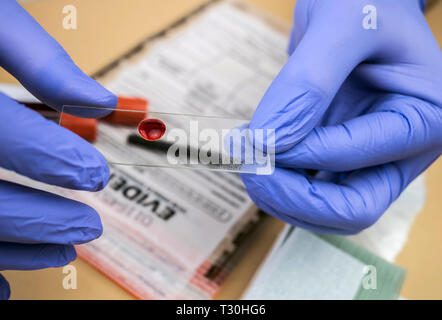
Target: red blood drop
x: 151, y: 129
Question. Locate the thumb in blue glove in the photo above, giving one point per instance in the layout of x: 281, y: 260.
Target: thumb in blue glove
x: 362, y: 104
x: 38, y: 229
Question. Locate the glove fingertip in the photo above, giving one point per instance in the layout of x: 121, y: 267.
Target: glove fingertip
x: 292, y: 111
x: 292, y: 43
x: 86, y: 93
x: 107, y: 99
x: 105, y: 174
x: 79, y: 165
x: 97, y: 231
x: 92, y: 228
x: 97, y: 177
x: 5, y: 289
x: 67, y: 85
x: 67, y: 255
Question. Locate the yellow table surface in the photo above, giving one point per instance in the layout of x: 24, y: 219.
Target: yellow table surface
x: 110, y: 28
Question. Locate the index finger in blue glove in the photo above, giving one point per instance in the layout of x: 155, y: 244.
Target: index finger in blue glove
x: 348, y: 207
x: 44, y: 151
x: 31, y: 55
x: 33, y: 216
x: 5, y: 290
x: 15, y: 256
x: 400, y: 127
x: 301, y: 19
x: 298, y: 97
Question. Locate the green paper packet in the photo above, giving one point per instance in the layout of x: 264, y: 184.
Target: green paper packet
x: 389, y: 277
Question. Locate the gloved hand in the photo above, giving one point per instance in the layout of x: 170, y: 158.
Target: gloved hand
x: 362, y: 106
x: 39, y: 229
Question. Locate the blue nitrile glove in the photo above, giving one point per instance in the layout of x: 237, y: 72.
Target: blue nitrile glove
x: 39, y: 229
x: 362, y: 106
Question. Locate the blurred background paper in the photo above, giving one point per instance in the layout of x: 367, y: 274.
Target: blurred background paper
x: 306, y: 267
